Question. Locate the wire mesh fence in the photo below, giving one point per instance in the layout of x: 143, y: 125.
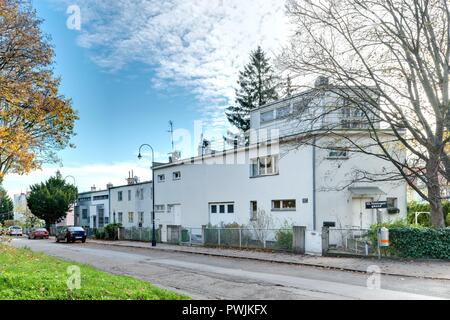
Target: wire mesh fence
x: 139, y: 234
x: 355, y: 241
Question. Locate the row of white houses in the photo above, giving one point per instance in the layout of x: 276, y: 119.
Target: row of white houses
x: 294, y: 183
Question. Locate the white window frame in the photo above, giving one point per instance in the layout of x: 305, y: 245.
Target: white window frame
x: 226, y: 206
x: 175, y: 174
x: 161, y: 178
x: 160, y: 208
x: 282, y: 206
x: 256, y: 166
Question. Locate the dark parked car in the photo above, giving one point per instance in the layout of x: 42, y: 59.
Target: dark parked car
x: 71, y: 234
x: 38, y: 234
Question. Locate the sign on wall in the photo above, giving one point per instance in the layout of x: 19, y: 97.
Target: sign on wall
x: 377, y: 205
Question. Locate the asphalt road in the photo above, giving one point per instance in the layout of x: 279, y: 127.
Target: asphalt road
x: 217, y: 278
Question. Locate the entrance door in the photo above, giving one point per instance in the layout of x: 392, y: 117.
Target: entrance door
x: 362, y: 217
x: 177, y: 214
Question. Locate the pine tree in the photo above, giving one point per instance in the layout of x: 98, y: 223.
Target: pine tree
x: 257, y: 87
x: 6, y: 206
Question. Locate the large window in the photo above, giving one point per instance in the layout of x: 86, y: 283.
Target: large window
x: 141, y: 219
x: 84, y: 199
x: 264, y: 166
x: 284, y: 205
x: 104, y: 197
x: 140, y: 194
x: 267, y: 116
x: 221, y: 208
x: 120, y: 217
x: 129, y: 195
x: 119, y: 196
x: 130, y: 217
x: 84, y: 214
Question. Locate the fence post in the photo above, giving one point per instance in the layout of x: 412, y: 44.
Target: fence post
x: 190, y: 236
x: 218, y: 237
x: 298, y: 239
x: 325, y: 240
x: 240, y: 238
x: 203, y: 235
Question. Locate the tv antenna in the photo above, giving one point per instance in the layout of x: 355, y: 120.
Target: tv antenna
x: 171, y: 133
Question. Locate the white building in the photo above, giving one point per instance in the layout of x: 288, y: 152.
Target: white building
x: 131, y: 205
x: 92, y: 209
x: 298, y: 184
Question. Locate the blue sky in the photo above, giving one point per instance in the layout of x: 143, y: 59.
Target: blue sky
x: 136, y: 64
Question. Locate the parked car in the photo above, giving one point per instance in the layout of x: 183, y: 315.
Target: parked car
x: 15, y: 231
x: 71, y: 234
x: 38, y: 234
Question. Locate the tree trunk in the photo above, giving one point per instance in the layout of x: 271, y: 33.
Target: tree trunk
x: 434, y: 193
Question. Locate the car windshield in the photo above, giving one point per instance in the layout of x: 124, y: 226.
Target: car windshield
x: 76, y: 229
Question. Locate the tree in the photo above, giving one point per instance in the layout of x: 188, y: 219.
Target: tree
x: 6, y: 207
x: 399, y: 52
x: 35, y: 120
x: 257, y: 87
x: 51, y: 201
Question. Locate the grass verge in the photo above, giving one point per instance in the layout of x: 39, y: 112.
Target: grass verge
x: 26, y: 275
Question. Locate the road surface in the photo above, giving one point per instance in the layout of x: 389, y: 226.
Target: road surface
x: 217, y: 278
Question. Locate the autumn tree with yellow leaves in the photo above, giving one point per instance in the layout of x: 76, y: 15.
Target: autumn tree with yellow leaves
x: 36, y: 121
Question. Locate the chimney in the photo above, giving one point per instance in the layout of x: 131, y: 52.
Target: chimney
x: 93, y: 188
x: 109, y: 186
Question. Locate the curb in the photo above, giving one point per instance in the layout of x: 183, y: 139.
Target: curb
x: 272, y: 261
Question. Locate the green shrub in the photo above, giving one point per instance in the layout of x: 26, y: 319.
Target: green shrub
x: 425, y: 219
x: 111, y: 231
x: 420, y: 242
x: 99, y: 234
x: 284, y: 238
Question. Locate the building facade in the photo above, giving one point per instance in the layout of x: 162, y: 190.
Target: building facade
x: 92, y: 209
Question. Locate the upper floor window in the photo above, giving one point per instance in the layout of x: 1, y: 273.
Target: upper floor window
x: 162, y: 178
x: 267, y: 116
x: 104, y: 197
x: 130, y: 217
x: 140, y: 194
x: 84, y: 214
x: 129, y: 195
x: 84, y: 199
x: 119, y: 196
x: 160, y: 208
x: 177, y: 175
x: 265, y: 166
x: 283, y: 112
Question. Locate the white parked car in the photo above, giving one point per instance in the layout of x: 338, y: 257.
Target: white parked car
x: 15, y: 231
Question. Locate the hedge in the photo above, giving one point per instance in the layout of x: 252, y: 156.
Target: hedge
x: 420, y: 242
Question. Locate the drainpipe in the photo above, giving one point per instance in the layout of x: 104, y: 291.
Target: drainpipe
x: 314, y: 184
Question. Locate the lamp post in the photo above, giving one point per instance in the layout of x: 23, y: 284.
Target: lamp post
x: 153, y: 191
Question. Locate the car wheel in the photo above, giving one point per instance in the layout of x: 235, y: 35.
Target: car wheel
x: 83, y: 241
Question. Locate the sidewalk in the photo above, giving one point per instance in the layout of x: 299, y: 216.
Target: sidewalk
x: 419, y: 269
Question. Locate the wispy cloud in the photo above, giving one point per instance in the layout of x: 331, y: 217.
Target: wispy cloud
x: 197, y: 44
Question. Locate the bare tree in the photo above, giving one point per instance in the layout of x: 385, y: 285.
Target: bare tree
x: 261, y: 226
x: 388, y: 62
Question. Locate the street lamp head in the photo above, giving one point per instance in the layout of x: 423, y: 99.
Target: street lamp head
x: 139, y: 156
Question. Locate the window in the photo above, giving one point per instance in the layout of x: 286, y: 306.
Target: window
x: 170, y: 208
x: 106, y: 220
x: 120, y: 217
x: 253, y: 210
x: 141, y: 219
x: 265, y: 166
x: 140, y: 194
x: 267, y: 116
x: 177, y: 175
x: 221, y: 208
x: 162, y: 178
x: 129, y: 195
x: 84, y: 214
x: 284, y: 205
x: 97, y: 198
x: 392, y: 203
x: 130, y: 217
x: 338, y: 154
x: 120, y: 196
x: 84, y: 199
x: 283, y: 112
x: 160, y: 208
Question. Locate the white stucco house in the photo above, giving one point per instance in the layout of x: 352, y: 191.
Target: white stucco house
x: 92, y: 209
x: 294, y: 182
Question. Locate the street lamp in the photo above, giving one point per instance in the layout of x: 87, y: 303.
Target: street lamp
x: 153, y: 191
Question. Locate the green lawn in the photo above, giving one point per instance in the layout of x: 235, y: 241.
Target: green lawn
x: 25, y: 275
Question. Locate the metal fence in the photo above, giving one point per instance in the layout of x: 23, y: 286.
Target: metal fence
x: 139, y: 234
x: 354, y: 241
x: 241, y: 238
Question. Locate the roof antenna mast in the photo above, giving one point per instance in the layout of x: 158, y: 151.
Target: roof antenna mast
x: 171, y: 133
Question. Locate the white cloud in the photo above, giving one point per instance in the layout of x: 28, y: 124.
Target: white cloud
x: 198, y: 44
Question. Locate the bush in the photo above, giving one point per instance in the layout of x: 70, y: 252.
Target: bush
x: 420, y: 242
x: 373, y: 232
x: 284, y: 238
x: 99, y: 234
x: 111, y: 231
x: 425, y: 219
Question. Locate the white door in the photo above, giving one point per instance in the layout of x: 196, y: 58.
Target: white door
x: 177, y: 214
x: 362, y: 217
